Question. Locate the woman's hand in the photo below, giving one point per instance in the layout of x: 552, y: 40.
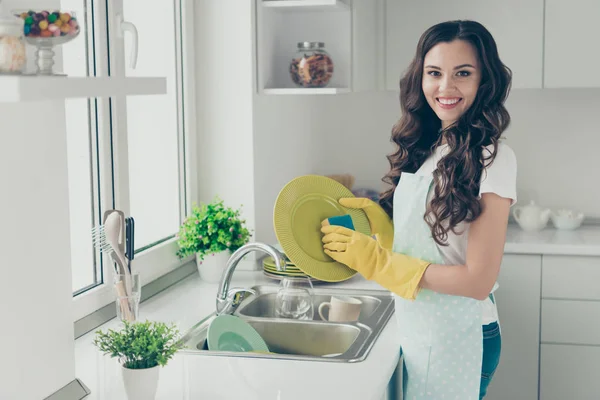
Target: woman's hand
x: 396, y: 272
x: 381, y: 224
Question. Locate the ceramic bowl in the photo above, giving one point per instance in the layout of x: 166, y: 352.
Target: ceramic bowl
x: 566, y: 219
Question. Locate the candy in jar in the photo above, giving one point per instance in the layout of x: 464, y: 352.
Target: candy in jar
x: 312, y: 67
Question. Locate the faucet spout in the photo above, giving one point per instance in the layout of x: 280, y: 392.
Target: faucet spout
x: 227, y: 302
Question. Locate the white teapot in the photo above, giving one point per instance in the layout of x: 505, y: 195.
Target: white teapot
x: 531, y: 217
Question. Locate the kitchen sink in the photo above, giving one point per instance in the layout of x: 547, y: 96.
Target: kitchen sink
x: 310, y: 340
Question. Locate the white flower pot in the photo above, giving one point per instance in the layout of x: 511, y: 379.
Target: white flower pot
x: 140, y: 384
x: 212, y: 267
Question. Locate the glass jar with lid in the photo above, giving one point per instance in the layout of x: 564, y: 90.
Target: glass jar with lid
x: 12, y: 44
x: 312, y: 66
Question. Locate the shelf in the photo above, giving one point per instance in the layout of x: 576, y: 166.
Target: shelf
x: 312, y: 5
x: 36, y: 88
x: 305, y: 91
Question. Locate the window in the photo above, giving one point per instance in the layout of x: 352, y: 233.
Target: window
x: 127, y: 153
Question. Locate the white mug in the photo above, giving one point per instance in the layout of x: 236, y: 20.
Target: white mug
x: 341, y: 309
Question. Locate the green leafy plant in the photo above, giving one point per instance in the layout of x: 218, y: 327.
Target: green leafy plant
x: 140, y: 345
x: 212, y: 228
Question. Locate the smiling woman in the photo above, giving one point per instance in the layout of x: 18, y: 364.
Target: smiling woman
x: 452, y: 184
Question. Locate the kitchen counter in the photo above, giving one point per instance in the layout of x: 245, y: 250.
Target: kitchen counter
x: 191, y: 377
x: 584, y: 241
x: 189, y: 301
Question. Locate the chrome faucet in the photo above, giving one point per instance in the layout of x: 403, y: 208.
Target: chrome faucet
x: 229, y: 300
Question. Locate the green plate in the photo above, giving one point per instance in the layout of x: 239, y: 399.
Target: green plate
x: 292, y: 274
x: 281, y: 277
x: 231, y: 333
x: 270, y: 261
x: 299, y: 209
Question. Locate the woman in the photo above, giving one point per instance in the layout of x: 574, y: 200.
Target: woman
x: 452, y: 184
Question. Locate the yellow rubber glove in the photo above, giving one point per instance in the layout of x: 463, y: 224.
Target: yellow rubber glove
x: 381, y: 224
x: 396, y: 272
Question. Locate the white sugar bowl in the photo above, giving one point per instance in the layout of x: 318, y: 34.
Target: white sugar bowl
x: 566, y: 219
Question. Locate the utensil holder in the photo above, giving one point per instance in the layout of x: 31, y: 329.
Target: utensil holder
x: 129, y: 291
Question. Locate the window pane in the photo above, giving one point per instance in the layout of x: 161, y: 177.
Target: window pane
x: 82, y: 189
x: 153, y: 125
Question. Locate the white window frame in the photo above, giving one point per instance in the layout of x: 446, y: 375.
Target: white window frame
x: 159, y: 259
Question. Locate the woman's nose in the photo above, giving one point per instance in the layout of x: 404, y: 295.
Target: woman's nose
x: 447, y: 82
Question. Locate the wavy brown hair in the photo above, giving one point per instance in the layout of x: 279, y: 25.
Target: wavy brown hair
x: 417, y: 133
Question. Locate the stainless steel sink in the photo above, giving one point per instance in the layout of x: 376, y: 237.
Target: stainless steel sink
x: 312, y: 340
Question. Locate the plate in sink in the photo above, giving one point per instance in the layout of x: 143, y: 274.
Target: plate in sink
x: 231, y: 333
x: 299, y: 209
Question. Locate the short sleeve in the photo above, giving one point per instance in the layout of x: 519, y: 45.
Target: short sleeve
x: 500, y: 176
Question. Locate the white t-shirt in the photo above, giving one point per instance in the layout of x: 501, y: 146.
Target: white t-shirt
x: 501, y: 178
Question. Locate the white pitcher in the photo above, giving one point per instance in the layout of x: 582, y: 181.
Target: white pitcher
x: 531, y: 217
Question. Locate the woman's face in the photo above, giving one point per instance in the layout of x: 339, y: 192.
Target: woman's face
x: 451, y: 77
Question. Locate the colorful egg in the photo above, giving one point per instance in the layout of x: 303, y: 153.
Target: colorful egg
x: 52, y: 18
x: 29, y: 20
x: 43, y: 25
x: 66, y: 28
x: 58, y: 23
x: 27, y: 29
x: 57, y: 32
x: 35, y: 30
x: 46, y: 33
x: 65, y: 17
x: 53, y: 28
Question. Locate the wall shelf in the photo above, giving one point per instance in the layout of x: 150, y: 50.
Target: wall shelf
x: 38, y: 88
x: 313, y: 5
x: 306, y: 90
x: 280, y: 32
x: 352, y: 31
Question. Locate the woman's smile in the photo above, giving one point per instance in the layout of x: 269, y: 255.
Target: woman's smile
x: 448, y: 103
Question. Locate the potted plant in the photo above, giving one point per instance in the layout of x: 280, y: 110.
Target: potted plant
x: 141, y: 348
x: 212, y: 232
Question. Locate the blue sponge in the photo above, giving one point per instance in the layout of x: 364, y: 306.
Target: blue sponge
x: 342, y: 220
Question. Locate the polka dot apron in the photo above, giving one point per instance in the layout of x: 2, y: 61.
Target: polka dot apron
x: 441, y: 335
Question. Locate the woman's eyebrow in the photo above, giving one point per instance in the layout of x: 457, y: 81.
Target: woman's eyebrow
x: 457, y: 67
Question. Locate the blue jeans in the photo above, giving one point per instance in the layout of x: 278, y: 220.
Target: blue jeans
x: 492, y: 345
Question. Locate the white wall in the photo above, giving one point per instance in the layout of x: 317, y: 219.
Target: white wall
x: 224, y: 85
x: 553, y: 133
x: 35, y: 288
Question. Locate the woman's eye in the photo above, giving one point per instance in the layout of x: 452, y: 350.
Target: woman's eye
x: 434, y: 73
x: 463, y: 73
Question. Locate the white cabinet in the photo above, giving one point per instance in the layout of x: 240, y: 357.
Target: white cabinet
x: 518, y: 301
x: 350, y: 30
x: 570, y: 328
x: 569, y: 372
x: 571, y: 42
x: 517, y: 27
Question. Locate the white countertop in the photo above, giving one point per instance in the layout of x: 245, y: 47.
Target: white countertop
x: 189, y: 301
x: 584, y: 241
x: 192, y: 377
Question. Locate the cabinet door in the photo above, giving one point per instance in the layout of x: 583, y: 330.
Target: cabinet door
x: 569, y: 372
x: 517, y: 27
x: 518, y: 301
x: 571, y: 41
